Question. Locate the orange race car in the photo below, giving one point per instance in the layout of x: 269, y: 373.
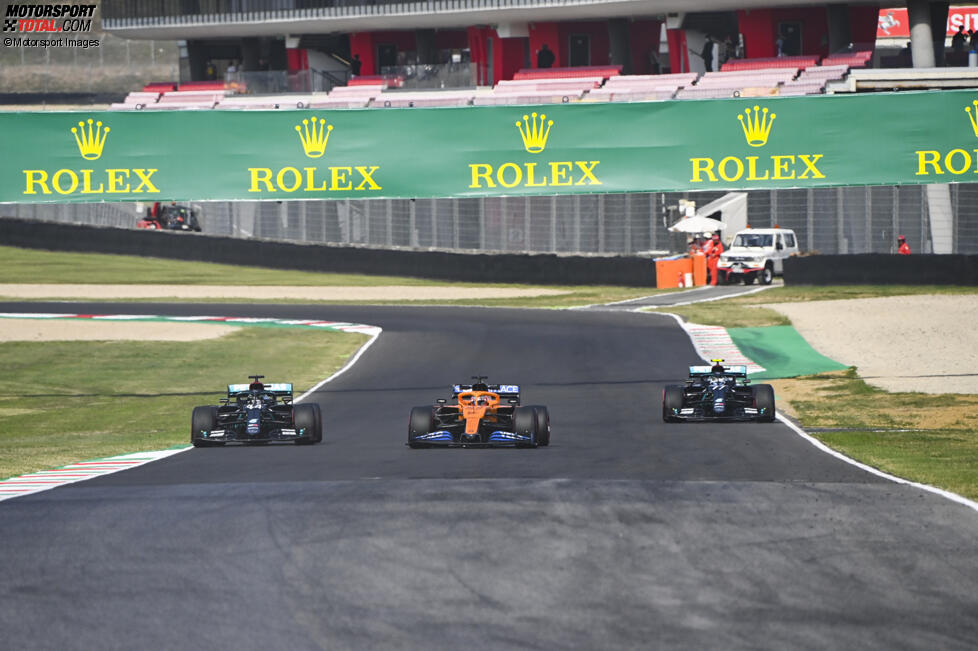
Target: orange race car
x: 484, y: 415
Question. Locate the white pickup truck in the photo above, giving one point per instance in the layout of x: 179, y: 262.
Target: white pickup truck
x: 757, y: 254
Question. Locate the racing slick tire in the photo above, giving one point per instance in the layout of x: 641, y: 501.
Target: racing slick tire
x: 672, y: 398
x: 203, y: 418
x: 304, y: 417
x: 767, y: 274
x: 525, y: 424
x: 542, y: 415
x: 422, y: 421
x: 319, y: 423
x: 764, y: 399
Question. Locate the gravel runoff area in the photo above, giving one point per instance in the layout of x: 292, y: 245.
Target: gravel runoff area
x: 898, y: 343
x: 81, y: 330
x: 312, y: 293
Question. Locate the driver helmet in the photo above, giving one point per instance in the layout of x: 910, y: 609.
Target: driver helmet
x: 256, y: 386
x: 717, y: 368
x: 482, y: 400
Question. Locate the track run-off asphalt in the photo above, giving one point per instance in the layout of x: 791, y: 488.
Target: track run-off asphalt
x: 625, y: 533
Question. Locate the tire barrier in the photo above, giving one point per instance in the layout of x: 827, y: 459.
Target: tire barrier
x: 882, y: 269
x: 534, y: 268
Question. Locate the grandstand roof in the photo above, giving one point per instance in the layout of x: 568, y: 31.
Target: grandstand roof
x: 408, y: 15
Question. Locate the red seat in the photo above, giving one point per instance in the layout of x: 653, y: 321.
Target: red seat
x: 567, y: 73
x: 202, y: 85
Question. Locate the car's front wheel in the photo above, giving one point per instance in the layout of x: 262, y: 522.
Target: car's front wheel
x: 204, y: 419
x: 764, y: 402
x: 767, y: 274
x: 422, y: 422
x: 672, y: 402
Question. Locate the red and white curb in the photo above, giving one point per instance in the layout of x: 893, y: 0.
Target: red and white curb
x: 43, y: 480
x: 341, y: 326
x: 714, y: 342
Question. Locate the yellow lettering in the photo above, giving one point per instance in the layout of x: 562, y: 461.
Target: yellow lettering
x: 702, y: 166
x: 116, y: 177
x: 809, y: 160
x: 340, y: 177
x: 368, y: 178
x: 752, y: 170
x: 781, y: 167
x: 87, y: 183
x: 481, y: 171
x: 559, y: 172
x: 57, y: 184
x: 144, y: 181
x: 587, y: 167
x: 311, y: 180
x: 925, y: 158
x: 280, y: 179
x: 723, y: 168
x: 530, y: 170
x: 949, y: 161
x: 260, y: 175
x: 501, y: 175
x: 36, y: 177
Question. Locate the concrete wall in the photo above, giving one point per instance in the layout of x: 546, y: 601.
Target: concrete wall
x: 545, y: 269
x: 881, y: 269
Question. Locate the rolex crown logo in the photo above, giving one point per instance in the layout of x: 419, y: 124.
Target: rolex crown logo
x: 973, y: 116
x: 91, y: 141
x: 533, y: 133
x: 313, y: 137
x: 757, y: 127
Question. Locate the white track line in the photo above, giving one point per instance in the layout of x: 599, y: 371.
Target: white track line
x: 43, y: 480
x: 954, y: 497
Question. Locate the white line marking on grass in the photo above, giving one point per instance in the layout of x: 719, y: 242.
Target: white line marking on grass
x: 717, y: 298
x: 954, y: 497
x: 43, y: 480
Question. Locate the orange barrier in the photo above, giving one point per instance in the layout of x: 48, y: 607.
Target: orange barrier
x: 675, y: 273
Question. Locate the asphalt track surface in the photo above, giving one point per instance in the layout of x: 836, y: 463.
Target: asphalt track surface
x: 624, y: 533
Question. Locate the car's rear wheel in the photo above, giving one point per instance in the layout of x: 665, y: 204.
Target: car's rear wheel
x: 304, y: 418
x: 422, y: 422
x: 525, y: 424
x: 672, y: 402
x: 764, y: 402
x: 204, y: 419
x: 542, y: 416
x: 767, y: 274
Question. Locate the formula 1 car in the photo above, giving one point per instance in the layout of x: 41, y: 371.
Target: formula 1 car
x: 172, y: 217
x: 718, y: 393
x: 256, y: 413
x: 483, y: 415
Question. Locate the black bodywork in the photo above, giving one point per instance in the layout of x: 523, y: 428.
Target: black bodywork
x: 256, y: 415
x: 718, y: 395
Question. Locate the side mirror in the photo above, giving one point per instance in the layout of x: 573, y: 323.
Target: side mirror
x: 780, y: 246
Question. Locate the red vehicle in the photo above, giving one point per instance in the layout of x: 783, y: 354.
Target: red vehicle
x: 172, y: 217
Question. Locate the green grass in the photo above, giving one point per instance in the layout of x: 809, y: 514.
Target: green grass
x: 35, y: 266
x: 745, y: 311
x: 64, y: 402
x: 923, y: 437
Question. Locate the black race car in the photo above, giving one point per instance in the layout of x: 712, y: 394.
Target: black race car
x: 480, y: 415
x: 256, y: 413
x: 718, y: 392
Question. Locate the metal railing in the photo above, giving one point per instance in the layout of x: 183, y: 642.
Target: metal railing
x: 827, y: 220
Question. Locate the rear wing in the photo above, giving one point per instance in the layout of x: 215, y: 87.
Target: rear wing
x: 734, y: 371
x: 282, y: 389
x: 504, y: 391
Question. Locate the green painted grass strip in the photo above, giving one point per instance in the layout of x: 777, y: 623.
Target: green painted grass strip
x: 782, y: 351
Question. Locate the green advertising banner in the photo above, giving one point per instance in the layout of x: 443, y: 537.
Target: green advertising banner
x: 791, y: 142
